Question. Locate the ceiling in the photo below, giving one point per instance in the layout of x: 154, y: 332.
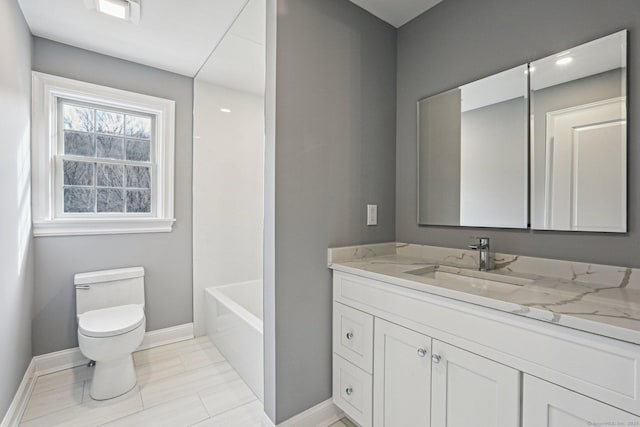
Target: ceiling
x: 181, y: 39
x: 239, y: 60
x: 176, y: 36
x: 396, y: 12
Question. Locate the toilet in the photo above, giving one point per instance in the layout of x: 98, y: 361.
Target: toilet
x: 111, y: 326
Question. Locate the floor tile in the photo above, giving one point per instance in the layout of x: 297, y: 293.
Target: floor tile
x: 151, y: 372
x: 224, y: 397
x: 171, y: 350
x: 55, y: 399
x: 184, y: 383
x: 347, y: 422
x: 49, y: 382
x: 189, y: 382
x: 201, y: 357
x: 180, y: 412
x: 91, y: 413
x: 249, y: 415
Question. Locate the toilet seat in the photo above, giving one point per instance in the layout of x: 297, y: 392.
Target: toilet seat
x: 112, y: 321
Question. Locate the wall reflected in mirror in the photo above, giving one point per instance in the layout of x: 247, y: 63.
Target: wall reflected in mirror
x: 472, y: 154
x: 579, y: 137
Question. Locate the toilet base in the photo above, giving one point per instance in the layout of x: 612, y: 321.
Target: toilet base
x: 112, y: 378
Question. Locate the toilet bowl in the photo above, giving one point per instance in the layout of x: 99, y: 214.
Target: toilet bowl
x: 109, y: 336
x: 111, y: 326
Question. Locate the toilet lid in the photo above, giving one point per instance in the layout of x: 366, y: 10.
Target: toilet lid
x: 108, y: 322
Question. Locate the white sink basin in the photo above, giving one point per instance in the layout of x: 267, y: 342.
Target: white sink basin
x: 469, y: 280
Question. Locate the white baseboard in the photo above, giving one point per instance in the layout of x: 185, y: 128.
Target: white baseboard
x: 70, y: 358
x: 58, y: 361
x: 167, y: 336
x: 321, y: 415
x: 19, y: 403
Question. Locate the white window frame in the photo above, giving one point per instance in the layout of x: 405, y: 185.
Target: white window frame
x: 46, y: 90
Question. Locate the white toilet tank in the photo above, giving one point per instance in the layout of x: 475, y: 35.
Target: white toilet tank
x: 109, y: 288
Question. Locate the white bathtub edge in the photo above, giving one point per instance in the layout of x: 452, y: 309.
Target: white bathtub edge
x: 250, y: 318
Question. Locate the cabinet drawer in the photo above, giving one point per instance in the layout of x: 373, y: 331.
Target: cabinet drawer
x: 352, y: 391
x: 353, y: 336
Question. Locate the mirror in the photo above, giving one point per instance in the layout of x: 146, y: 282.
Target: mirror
x: 472, y: 154
x: 579, y: 138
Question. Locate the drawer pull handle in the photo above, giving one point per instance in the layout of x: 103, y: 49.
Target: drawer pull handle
x: 436, y: 358
x: 349, y: 336
x: 349, y: 391
x: 422, y: 352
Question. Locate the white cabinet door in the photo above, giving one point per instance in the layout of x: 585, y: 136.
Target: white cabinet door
x: 548, y: 405
x: 469, y: 390
x: 401, y: 377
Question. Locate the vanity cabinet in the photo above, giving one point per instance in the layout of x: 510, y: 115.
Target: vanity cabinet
x: 402, y: 376
x: 403, y: 357
x: 419, y: 381
x: 547, y: 405
x: 470, y: 390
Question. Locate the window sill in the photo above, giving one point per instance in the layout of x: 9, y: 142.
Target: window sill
x: 83, y: 227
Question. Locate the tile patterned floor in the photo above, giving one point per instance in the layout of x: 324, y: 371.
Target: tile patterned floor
x: 183, y: 384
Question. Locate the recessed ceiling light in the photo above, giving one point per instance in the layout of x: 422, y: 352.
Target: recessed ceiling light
x: 564, y: 60
x: 115, y: 8
x: 225, y: 110
x: 127, y: 10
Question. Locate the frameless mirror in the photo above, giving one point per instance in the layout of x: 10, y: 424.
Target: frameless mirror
x: 579, y: 137
x: 472, y: 154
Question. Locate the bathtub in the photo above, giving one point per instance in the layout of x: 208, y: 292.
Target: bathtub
x: 234, y: 323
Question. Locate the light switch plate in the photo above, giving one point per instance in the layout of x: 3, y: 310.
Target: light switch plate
x: 372, y: 214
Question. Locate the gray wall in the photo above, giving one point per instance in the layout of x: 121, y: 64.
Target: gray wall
x: 167, y: 257
x: 461, y: 40
x: 16, y: 243
x: 332, y: 153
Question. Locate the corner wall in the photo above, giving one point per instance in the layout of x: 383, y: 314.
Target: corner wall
x: 166, y: 257
x: 330, y: 151
x: 16, y: 243
x: 459, y: 41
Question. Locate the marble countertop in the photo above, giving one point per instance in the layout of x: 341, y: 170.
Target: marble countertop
x: 604, y: 300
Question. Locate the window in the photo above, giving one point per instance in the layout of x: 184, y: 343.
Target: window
x: 102, y: 159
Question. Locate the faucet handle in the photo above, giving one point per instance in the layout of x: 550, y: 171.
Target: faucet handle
x: 483, y: 243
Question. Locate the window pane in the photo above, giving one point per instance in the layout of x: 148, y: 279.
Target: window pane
x: 77, y: 173
x: 109, y: 175
x: 109, y: 122
x: 79, y: 199
x: 77, y: 118
x: 110, y: 147
x: 138, y: 200
x: 139, y: 127
x: 110, y: 200
x: 139, y: 151
x: 79, y: 144
x: 138, y: 177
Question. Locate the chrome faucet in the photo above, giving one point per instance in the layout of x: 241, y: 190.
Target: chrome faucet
x: 483, y: 247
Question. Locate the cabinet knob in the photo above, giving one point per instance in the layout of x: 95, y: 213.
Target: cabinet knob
x: 422, y: 352
x: 349, y: 391
x: 349, y: 335
x: 436, y: 358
